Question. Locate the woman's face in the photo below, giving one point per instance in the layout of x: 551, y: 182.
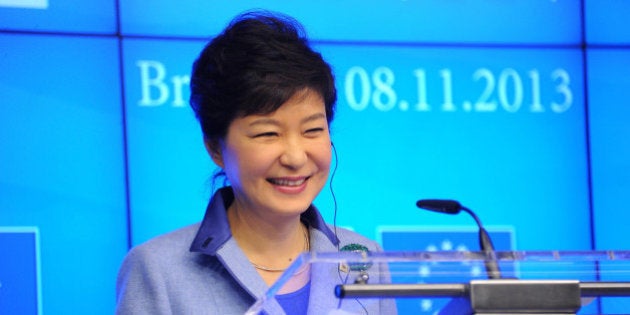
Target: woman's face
x: 279, y: 162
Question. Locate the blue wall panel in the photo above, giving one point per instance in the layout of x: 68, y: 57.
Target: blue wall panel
x: 437, y: 21
x: 521, y: 117
x: 62, y: 163
x: 85, y: 16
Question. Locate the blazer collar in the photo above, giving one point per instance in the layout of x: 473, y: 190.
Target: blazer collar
x: 214, y: 230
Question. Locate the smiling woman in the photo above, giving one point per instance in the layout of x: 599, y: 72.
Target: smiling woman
x: 279, y: 161
x: 264, y: 100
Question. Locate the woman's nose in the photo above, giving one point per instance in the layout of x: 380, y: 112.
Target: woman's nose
x: 294, y: 154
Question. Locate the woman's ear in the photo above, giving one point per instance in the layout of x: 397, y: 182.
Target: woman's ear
x: 214, y: 150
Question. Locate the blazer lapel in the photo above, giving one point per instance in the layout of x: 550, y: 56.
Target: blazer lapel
x: 324, y: 278
x: 242, y: 270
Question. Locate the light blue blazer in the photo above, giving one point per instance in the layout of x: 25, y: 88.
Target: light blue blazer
x: 168, y: 275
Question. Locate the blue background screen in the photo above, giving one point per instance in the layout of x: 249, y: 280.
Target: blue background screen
x: 518, y: 109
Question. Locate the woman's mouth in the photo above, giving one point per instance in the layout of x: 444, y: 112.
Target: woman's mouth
x: 289, y: 182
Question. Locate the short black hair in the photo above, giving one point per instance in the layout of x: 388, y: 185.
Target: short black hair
x: 254, y: 66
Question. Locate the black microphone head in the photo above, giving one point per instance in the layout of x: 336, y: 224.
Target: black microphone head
x: 440, y: 205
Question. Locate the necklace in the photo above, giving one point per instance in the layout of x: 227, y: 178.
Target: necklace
x: 307, y: 247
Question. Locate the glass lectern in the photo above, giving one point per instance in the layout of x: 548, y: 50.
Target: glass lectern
x: 454, y: 282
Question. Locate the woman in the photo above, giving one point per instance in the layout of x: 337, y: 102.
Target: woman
x: 264, y: 100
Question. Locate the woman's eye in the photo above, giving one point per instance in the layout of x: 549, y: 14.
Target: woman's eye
x: 265, y: 135
x: 314, y: 131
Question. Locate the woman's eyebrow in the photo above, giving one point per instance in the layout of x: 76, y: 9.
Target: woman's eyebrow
x: 271, y: 121
x: 264, y: 121
x: 316, y: 116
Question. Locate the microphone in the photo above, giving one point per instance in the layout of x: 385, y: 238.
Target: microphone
x: 454, y: 207
x: 440, y: 205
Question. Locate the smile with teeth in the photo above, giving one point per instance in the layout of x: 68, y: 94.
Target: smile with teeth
x: 287, y: 181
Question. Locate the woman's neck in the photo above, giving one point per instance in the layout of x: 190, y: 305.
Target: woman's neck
x: 270, y: 244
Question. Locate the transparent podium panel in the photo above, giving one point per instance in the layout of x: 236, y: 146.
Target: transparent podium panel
x: 454, y: 282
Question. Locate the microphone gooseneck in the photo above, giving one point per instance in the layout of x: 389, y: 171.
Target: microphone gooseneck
x: 485, y: 242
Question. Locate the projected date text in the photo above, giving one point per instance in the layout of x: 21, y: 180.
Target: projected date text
x: 483, y: 90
